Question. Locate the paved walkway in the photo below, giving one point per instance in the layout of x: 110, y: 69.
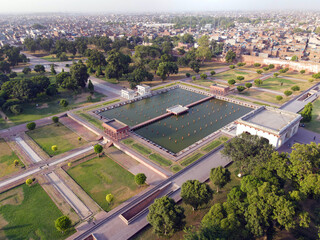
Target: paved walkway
x: 32, y: 154
x: 69, y: 196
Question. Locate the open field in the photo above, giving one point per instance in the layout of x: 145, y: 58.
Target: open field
x: 50, y: 135
x: 275, y: 84
x: 264, y: 96
x: 53, y: 58
x: 48, y: 106
x: 297, y: 75
x: 314, y: 125
x: 7, y: 157
x: 234, y: 73
x: 101, y: 176
x: 28, y: 213
x: 193, y: 218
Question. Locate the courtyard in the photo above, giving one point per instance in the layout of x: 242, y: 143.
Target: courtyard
x: 7, y: 157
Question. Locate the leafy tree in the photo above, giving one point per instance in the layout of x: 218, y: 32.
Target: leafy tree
x: 188, y: 75
x: 248, y: 85
x: 241, y: 64
x: 232, y: 66
x: 230, y: 56
x: 63, y: 57
x: 240, y: 78
x: 294, y: 58
x: 257, y: 65
x: 79, y: 74
x: 55, y: 119
x: 91, y: 87
x: 258, y: 82
x: 39, y: 68
x: 63, y: 223
x: 4, y: 67
x: 109, y: 198
x: 31, y: 125
x: 306, y: 113
x: 15, y: 109
x: 96, y: 59
x: 212, y: 73
x: 26, y: 70
x: 231, y: 82
x: 266, y: 68
x: 302, y: 71
x: 295, y: 88
x: 259, y: 71
x: 195, y: 66
x: 187, y: 38
x: 287, y: 93
x: 54, y: 148
x: 16, y: 162
x: 98, y: 149
x: 52, y: 70
x: 195, y: 193
x: 194, y: 78
x: 204, y: 51
x: 276, y: 75
x: 118, y: 64
x: 165, y: 216
x: 154, y: 64
x: 203, y: 76
x: 29, y: 181
x: 220, y: 176
x: 63, y: 103
x: 140, y: 178
x: 271, y: 66
x: 279, y: 98
x: 167, y: 68
x: 241, y: 88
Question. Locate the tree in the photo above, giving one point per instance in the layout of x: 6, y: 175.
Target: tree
x: 241, y: 88
x: 266, y: 68
x: 109, y: 198
x: 117, y: 64
x: 294, y: 58
x: 96, y: 59
x: 140, y: 178
x: 54, y: 148
x: 306, y: 113
x: 279, y: 98
x: 188, y: 75
x: 276, y: 75
x: 29, y: 181
x: 165, y: 216
x: 63, y: 223
x: 220, y: 176
x: 195, y: 193
x: 4, y: 67
x: 241, y: 64
x: 194, y: 78
x: 63, y: 103
x: 31, y: 125
x: 231, y: 82
x: 230, y: 56
x: 259, y: 71
x: 52, y: 70
x: 258, y: 82
x: 167, y: 68
x: 79, y: 74
x: 55, y: 119
x: 212, y: 73
x: 26, y: 70
x: 39, y: 68
x: 271, y: 66
x: 204, y: 51
x: 287, y: 93
x: 90, y: 87
x: 98, y: 149
x: 232, y: 66
x: 302, y: 71
x: 295, y: 88
x: 257, y: 65
x: 240, y: 78
x: 195, y: 66
x: 203, y: 76
x: 16, y: 162
x: 248, y: 85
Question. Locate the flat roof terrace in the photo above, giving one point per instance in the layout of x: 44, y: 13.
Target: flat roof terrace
x: 177, y: 109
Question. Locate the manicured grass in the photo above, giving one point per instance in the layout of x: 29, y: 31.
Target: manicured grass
x: 206, y: 83
x: 264, y: 96
x: 7, y: 157
x: 298, y: 75
x: 101, y: 176
x: 165, y: 86
x: 191, y: 159
x: 190, y: 85
x: 29, y: 213
x: 159, y: 159
x: 314, y: 125
x: 94, y: 121
x: 128, y: 141
x: 275, y: 84
x: 48, y: 106
x: 53, y: 58
x: 141, y: 149
x: 175, y: 168
x: 233, y: 74
x: 61, y: 136
x: 214, y: 144
x: 98, y: 105
x: 248, y: 100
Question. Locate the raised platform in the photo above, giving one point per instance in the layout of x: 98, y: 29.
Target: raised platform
x: 177, y: 109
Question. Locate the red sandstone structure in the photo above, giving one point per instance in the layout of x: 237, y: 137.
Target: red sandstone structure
x: 116, y: 129
x: 219, y: 90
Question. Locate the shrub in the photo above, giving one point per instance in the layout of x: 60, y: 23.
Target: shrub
x: 109, y: 198
x: 26, y: 70
x: 203, y: 76
x: 98, y: 149
x: 15, y: 109
x: 79, y: 139
x: 6, y: 106
x: 89, y: 98
x: 54, y: 148
x: 29, y: 181
x: 240, y: 88
x: 63, y: 103
x: 31, y: 125
x: 265, y: 68
x: 316, y: 76
x: 259, y: 71
x: 271, y: 66
x: 188, y: 75
x: 55, y: 119
x: 62, y: 223
x: 140, y: 178
x: 194, y: 78
x: 258, y: 82
x: 13, y: 75
x: 69, y: 164
x: 248, y: 85
x: 232, y: 66
x: 231, y: 82
x: 279, y: 98
x: 257, y: 65
x: 240, y: 78
x: 295, y: 88
x: 287, y: 93
x: 241, y: 64
x: 276, y: 75
x: 16, y: 162
x: 282, y: 71
x: 212, y: 73
x: 303, y: 71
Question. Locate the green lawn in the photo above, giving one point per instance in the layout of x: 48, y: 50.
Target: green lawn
x: 101, y: 176
x: 53, y: 58
x: 191, y: 159
x: 314, y: 125
x: 48, y: 106
x: 7, y: 156
x: 275, y: 84
x: 233, y: 74
x: 160, y: 160
x: 264, y: 96
x: 28, y: 213
x: 50, y: 135
x: 94, y: 121
x: 141, y: 149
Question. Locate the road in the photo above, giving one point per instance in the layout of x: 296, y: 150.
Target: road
x: 27, y: 149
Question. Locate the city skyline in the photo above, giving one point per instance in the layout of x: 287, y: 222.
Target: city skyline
x: 36, y: 6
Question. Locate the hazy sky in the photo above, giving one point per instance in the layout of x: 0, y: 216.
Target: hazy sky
x: 11, y: 6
